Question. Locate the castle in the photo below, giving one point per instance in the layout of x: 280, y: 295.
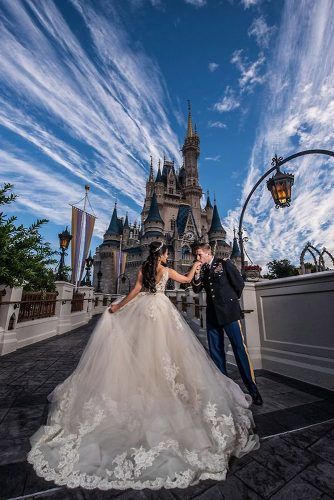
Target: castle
x: 171, y: 213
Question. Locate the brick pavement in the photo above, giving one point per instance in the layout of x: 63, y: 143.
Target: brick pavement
x: 291, y: 463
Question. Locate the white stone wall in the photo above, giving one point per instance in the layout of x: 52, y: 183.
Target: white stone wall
x: 29, y: 332
x: 295, y: 326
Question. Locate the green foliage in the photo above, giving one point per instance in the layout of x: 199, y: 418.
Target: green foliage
x: 24, y: 256
x: 311, y: 266
x: 281, y: 269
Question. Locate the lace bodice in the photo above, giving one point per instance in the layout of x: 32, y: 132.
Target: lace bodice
x: 161, y: 285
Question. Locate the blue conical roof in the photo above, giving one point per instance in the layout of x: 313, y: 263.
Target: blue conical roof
x: 114, y: 224
x: 159, y: 176
x: 235, y: 249
x: 208, y: 201
x: 216, y: 224
x: 126, y: 222
x: 154, y: 214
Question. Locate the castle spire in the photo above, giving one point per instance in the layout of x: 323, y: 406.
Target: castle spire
x: 159, y: 176
x: 126, y: 223
x: 235, y: 249
x: 216, y: 225
x: 114, y: 226
x: 190, y: 124
x: 208, y: 201
x: 151, y: 177
x: 154, y: 213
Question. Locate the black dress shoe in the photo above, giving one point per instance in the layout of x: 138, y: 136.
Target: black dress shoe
x: 256, y: 397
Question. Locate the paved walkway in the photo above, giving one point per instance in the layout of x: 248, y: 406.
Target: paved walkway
x: 296, y: 426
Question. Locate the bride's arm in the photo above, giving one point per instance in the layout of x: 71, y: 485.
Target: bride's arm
x: 180, y: 278
x: 131, y: 295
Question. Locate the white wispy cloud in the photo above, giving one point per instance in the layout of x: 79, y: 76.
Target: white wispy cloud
x: 261, y: 31
x: 297, y: 115
x: 217, y: 124
x: 250, y: 3
x: 228, y: 102
x: 213, y: 66
x: 95, y: 115
x: 47, y: 194
x: 196, y: 3
x: 213, y: 158
x: 250, y: 71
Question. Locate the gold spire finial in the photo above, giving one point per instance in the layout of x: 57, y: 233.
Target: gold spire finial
x: 190, y: 125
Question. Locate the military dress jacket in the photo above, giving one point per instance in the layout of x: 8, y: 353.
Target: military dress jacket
x: 223, y: 285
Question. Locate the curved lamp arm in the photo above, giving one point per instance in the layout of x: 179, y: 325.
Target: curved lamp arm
x: 276, y: 167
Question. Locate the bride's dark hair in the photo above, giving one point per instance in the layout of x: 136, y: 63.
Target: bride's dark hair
x: 149, y: 268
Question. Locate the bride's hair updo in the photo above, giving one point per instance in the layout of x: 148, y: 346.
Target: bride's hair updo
x: 149, y: 269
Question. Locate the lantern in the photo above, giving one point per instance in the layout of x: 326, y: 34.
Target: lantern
x: 280, y: 185
x: 64, y: 239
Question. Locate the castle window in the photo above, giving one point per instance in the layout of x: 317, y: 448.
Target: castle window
x: 172, y: 224
x: 170, y: 190
x: 186, y: 254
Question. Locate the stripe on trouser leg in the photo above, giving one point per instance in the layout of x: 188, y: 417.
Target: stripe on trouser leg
x: 247, y: 354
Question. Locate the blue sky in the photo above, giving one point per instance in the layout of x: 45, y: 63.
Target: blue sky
x: 89, y: 90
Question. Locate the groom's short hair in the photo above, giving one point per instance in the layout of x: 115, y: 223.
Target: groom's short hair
x: 203, y: 246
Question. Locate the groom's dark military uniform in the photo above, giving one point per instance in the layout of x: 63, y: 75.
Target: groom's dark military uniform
x: 223, y: 285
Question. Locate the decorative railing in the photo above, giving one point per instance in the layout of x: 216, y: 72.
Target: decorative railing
x: 192, y: 306
x: 77, y: 302
x: 197, y: 308
x: 36, y: 305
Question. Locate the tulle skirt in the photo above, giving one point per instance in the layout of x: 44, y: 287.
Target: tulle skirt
x: 146, y: 407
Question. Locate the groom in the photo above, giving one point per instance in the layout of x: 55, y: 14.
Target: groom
x: 223, y: 285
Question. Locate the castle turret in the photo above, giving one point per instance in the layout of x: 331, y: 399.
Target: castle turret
x: 192, y: 191
x: 236, y: 254
x: 114, y: 230
x: 217, y: 235
x: 153, y: 224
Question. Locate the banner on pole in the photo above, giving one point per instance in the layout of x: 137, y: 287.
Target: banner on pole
x: 119, y: 262
x: 77, y: 219
x: 89, y: 228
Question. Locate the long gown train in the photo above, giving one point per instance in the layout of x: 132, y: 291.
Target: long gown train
x: 146, y: 407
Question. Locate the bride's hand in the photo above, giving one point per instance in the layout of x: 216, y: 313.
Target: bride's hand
x: 197, y: 267
x: 113, y: 308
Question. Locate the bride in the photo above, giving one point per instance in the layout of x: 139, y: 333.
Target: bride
x: 146, y: 407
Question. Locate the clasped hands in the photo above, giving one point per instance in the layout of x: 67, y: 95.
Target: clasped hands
x: 197, y: 266
x: 113, y: 308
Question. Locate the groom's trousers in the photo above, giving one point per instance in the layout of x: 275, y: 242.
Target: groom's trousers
x: 217, y: 351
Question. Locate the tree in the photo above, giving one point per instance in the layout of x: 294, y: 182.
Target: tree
x: 25, y: 258
x: 311, y: 267
x: 281, y: 269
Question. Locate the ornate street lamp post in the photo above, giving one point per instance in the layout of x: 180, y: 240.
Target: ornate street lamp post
x: 123, y: 277
x: 89, y: 262
x: 64, y: 241
x: 280, y: 187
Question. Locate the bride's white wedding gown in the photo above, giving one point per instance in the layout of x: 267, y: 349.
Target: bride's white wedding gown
x: 146, y: 407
